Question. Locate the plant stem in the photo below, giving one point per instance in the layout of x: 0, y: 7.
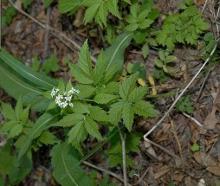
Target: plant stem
x: 123, y: 146
x: 99, y: 146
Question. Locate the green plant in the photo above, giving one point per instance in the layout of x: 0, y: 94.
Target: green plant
x: 27, y: 3
x: 8, y: 15
x: 137, y: 67
x: 65, y: 162
x: 130, y: 103
x: 100, y: 81
x: 97, y: 107
x: 195, y: 147
x: 185, y: 105
x: 160, y: 75
x: 16, y: 120
x: 47, y: 3
x: 98, y: 100
x: 16, y: 124
x: 184, y: 27
x: 97, y: 10
x: 49, y: 65
x: 68, y: 6
x: 115, y: 150
x: 207, y: 45
x: 165, y: 62
x: 139, y: 18
x: 13, y: 170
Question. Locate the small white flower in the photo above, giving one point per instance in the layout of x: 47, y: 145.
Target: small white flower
x: 54, y: 92
x: 68, y: 98
x: 63, y: 99
x: 76, y: 91
x: 58, y: 99
x: 73, y: 91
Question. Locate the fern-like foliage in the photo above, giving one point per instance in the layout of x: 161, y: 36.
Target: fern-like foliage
x: 184, y: 27
x: 141, y: 16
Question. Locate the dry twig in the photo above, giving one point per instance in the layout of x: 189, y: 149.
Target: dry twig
x: 142, y: 177
x: 204, y: 6
x: 177, y: 139
x: 46, y: 36
x: 104, y: 170
x: 162, y: 148
x: 203, y: 84
x: 193, y: 119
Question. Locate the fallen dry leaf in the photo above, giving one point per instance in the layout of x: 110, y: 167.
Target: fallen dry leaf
x: 178, y: 177
x: 162, y: 171
x: 152, y: 83
x: 207, y: 161
x: 204, y: 159
x: 211, y: 120
x: 188, y: 181
x: 200, y: 2
x: 214, y: 169
x: 150, y: 151
x: 79, y: 18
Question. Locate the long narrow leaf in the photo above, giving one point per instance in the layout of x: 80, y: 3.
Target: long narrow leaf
x: 115, y: 55
x: 66, y: 169
x: 13, y: 85
x: 41, y: 124
x: 27, y: 73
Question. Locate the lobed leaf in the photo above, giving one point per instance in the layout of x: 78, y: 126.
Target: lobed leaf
x: 66, y: 6
x: 92, y: 128
x: 128, y: 116
x: 104, y: 98
x: 115, y: 113
x: 127, y: 86
x: 143, y: 108
x: 98, y: 114
x: 137, y: 94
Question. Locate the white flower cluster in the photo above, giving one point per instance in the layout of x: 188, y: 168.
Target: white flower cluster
x: 63, y: 99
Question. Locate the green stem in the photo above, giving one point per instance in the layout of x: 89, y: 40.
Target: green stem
x: 123, y: 146
x: 98, y: 147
